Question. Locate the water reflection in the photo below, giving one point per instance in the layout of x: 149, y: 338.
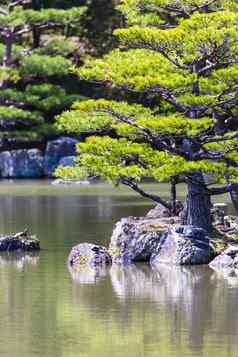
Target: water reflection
x: 185, y: 293
x: 19, y: 261
x: 132, y: 311
x: 135, y: 281
x: 230, y: 275
x: 178, y: 310
x: 87, y: 275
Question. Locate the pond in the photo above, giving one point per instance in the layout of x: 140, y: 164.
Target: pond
x: 133, y: 311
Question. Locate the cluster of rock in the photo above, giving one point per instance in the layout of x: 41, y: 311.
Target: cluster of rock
x: 155, y: 238
x: 36, y: 163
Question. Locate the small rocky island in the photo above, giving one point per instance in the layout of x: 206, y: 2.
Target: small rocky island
x: 160, y: 239
x: 22, y: 241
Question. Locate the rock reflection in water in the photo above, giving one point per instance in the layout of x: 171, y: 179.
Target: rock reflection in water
x: 135, y: 281
x: 86, y: 275
x: 228, y: 275
x: 185, y: 293
x: 19, y: 260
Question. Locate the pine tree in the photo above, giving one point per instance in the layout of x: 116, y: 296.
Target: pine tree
x: 35, y: 57
x: 183, y: 56
x: 98, y: 21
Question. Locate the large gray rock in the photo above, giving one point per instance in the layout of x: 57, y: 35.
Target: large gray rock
x: 185, y: 245
x: 56, y: 150
x: 21, y: 163
x: 135, y: 239
x: 227, y: 260
x: 67, y: 161
x: 160, y: 211
x: 88, y: 256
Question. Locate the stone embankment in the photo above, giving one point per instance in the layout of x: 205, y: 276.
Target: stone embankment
x: 36, y: 163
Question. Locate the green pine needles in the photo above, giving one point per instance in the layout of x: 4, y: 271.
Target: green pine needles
x: 36, y: 56
x: 183, y: 55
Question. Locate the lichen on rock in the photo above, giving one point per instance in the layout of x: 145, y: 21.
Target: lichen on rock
x: 87, y: 256
x: 135, y: 239
x: 184, y: 245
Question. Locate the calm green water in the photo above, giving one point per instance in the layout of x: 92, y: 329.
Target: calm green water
x: 133, y: 312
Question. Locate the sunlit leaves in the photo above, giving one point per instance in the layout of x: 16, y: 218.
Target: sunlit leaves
x: 37, y: 65
x: 185, y: 54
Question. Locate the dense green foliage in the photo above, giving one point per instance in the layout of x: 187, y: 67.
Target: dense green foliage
x: 35, y: 54
x: 40, y: 41
x: 183, y: 55
x: 98, y: 21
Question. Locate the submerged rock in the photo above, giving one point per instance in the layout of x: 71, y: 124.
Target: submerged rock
x: 185, y: 245
x: 87, y: 256
x: 70, y: 182
x: 19, y: 242
x: 136, y: 239
x: 21, y: 163
x: 56, y: 150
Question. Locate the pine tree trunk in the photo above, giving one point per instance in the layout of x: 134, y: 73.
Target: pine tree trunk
x: 35, y: 38
x: 7, y: 58
x: 234, y: 199
x: 198, y: 207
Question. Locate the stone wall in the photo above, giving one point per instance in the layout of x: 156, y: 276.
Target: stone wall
x: 36, y: 163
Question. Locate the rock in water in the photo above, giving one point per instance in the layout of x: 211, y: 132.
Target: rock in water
x: 19, y: 242
x: 56, y: 150
x: 87, y: 256
x: 135, y: 239
x: 70, y: 182
x: 185, y: 245
x: 227, y: 260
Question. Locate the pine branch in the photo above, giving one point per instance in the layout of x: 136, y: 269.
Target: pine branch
x: 3, y: 12
x: 17, y: 3
x: 216, y: 139
x: 129, y: 182
x: 176, y: 10
x: 147, y: 46
x: 223, y: 189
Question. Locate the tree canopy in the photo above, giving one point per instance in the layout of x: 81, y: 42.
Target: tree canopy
x: 183, y: 55
x: 40, y: 41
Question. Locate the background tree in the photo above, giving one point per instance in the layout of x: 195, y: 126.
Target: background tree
x: 35, y: 58
x: 98, y: 21
x: 184, y: 56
